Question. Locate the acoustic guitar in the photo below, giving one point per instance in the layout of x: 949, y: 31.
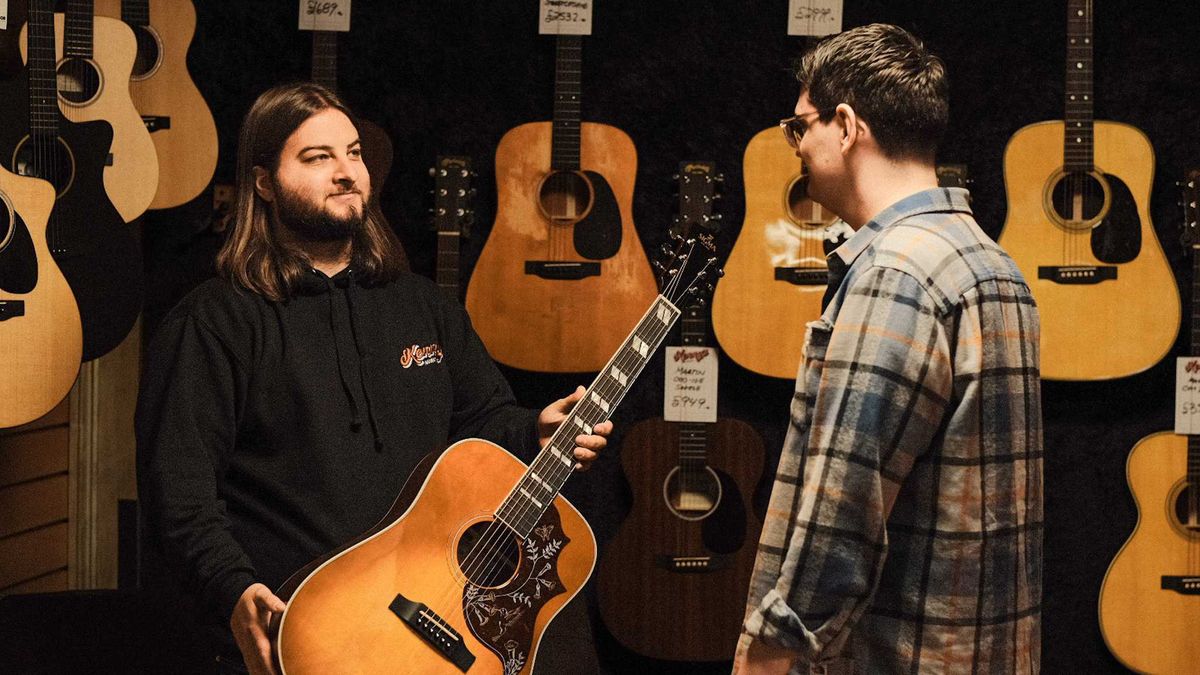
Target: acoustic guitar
x: 563, y: 243
x: 40, y: 336
x: 172, y: 109
x: 1079, y: 228
x: 97, y: 252
x: 95, y: 60
x: 1150, y: 598
x: 478, y: 553
x: 672, y: 582
x: 452, y: 217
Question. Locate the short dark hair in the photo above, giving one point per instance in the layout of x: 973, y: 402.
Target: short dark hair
x: 889, y: 78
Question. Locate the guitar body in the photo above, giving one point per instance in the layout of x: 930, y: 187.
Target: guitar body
x: 132, y: 179
x: 1114, y: 328
x: 545, y: 324
x: 759, y: 320
x: 668, y: 611
x: 1148, y: 628
x: 40, y: 337
x: 339, y: 619
x: 162, y: 87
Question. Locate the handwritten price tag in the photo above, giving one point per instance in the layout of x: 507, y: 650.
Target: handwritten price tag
x: 814, y: 17
x: 1187, y: 395
x: 691, y: 387
x: 3, y: 14
x: 565, y: 17
x: 325, y: 15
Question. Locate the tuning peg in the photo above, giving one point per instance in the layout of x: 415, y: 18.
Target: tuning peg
x: 720, y: 178
x: 432, y: 171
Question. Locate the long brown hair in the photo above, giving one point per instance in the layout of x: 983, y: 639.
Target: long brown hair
x: 253, y: 256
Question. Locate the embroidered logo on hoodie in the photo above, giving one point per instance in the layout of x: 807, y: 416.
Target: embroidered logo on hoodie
x: 421, y: 356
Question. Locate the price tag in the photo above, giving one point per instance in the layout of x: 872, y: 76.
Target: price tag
x: 691, y: 386
x: 565, y: 17
x: 3, y: 14
x: 325, y: 15
x: 1187, y: 395
x: 814, y: 17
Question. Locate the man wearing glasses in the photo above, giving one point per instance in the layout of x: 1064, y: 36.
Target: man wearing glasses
x: 904, y: 532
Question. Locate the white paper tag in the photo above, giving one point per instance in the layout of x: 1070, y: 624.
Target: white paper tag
x: 1187, y: 395
x: 325, y: 15
x: 565, y: 17
x: 814, y: 17
x: 691, y: 386
x: 3, y: 14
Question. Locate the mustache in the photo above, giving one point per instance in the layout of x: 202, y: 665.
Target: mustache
x: 351, y: 191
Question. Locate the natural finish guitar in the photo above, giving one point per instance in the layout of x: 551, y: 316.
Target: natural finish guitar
x: 95, y: 60
x: 672, y: 582
x: 564, y: 242
x: 1079, y: 228
x: 476, y: 557
x: 40, y: 336
x: 1150, y: 599
x: 180, y: 123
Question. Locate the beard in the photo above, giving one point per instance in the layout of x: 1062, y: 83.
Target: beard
x: 315, y: 223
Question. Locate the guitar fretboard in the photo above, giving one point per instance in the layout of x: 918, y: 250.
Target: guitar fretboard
x: 693, y: 436
x: 536, y: 490
x: 1078, y: 141
x: 564, y: 143
x: 135, y: 12
x: 77, y: 34
x: 43, y: 88
x: 325, y: 59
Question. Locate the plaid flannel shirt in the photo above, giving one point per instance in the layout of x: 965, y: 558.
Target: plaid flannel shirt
x: 914, y: 541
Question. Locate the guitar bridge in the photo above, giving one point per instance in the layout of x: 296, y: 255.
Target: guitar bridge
x: 1181, y: 585
x: 1078, y: 274
x: 691, y: 564
x: 571, y: 271
x: 433, y: 630
x: 803, y: 276
x: 10, y: 309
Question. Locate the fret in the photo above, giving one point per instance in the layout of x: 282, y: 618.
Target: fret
x: 43, y: 87
x: 135, y: 12
x: 528, y: 501
x: 1078, y: 142
x: 568, y: 75
x: 325, y: 59
x: 77, y: 32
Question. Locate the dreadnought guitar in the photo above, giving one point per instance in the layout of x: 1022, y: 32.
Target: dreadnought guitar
x: 563, y: 243
x: 452, y: 217
x: 40, y: 337
x: 1079, y: 229
x: 95, y: 56
x: 672, y: 582
x: 180, y: 123
x: 478, y: 553
x: 1150, y: 599
x: 98, y: 253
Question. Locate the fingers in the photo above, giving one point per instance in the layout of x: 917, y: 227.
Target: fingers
x: 268, y: 601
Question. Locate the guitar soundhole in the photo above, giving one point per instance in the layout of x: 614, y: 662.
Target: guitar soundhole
x: 1078, y: 199
x: 1187, y: 511
x: 48, y: 158
x: 692, y: 494
x: 8, y: 224
x: 149, y: 52
x: 801, y: 208
x: 565, y: 197
x: 78, y: 81
x: 488, y: 554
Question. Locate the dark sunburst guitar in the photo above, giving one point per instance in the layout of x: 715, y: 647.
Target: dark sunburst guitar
x: 564, y: 242
x: 1079, y: 228
x: 480, y: 551
x: 1150, y: 599
x: 672, y: 582
x: 97, y: 252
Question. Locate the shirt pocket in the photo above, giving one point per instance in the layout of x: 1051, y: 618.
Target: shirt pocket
x: 812, y: 362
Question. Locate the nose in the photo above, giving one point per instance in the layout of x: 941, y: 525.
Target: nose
x: 345, y: 172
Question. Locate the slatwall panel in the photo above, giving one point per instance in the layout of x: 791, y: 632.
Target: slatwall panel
x: 33, y: 504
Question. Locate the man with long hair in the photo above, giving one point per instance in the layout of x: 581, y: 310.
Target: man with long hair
x: 284, y: 403
x: 904, y: 532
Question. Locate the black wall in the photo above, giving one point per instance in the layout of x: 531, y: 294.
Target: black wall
x: 695, y: 80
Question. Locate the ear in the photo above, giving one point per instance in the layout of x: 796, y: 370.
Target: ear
x: 854, y: 128
x: 263, y: 184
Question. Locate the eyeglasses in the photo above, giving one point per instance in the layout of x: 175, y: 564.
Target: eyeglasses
x: 795, y: 126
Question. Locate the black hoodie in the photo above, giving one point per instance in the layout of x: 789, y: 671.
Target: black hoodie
x: 271, y: 432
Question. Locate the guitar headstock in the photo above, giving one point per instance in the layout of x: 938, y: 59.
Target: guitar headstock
x: 452, y: 194
x: 953, y: 175
x: 688, y: 266
x: 1190, y: 236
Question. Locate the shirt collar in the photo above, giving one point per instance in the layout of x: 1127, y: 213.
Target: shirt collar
x: 933, y: 200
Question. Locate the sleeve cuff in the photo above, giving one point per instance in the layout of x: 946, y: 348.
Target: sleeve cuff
x: 225, y: 593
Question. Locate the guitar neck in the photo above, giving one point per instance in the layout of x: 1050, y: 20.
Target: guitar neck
x: 544, y: 479
x: 77, y: 35
x: 43, y: 88
x: 135, y: 12
x: 1078, y: 151
x: 564, y: 135
x: 325, y: 59
x: 693, y: 436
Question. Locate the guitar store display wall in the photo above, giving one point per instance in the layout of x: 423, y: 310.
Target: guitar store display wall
x: 697, y: 80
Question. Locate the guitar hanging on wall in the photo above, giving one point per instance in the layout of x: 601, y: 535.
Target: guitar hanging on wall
x: 172, y: 109
x: 98, y: 253
x: 452, y: 216
x: 1150, y: 598
x: 479, y: 552
x: 672, y: 582
x: 1080, y: 231
x: 563, y: 244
